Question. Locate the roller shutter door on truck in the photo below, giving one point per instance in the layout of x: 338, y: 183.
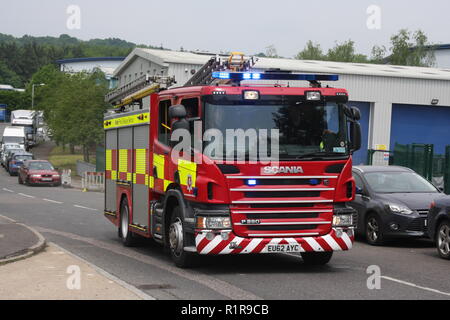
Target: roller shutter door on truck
x: 110, y: 167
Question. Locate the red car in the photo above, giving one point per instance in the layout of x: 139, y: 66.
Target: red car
x: 39, y: 172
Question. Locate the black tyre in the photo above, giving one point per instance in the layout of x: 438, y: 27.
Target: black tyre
x: 443, y: 240
x: 316, y: 258
x: 177, y: 242
x: 373, y: 230
x: 124, y: 233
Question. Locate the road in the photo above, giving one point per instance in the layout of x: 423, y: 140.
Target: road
x: 410, y: 269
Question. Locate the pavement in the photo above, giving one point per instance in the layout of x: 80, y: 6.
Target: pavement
x: 32, y: 269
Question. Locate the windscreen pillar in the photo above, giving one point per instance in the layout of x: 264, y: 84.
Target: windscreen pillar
x: 380, y: 130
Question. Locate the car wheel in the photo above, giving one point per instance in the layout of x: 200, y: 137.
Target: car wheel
x: 177, y: 242
x: 125, y: 234
x: 316, y: 258
x: 443, y: 240
x: 373, y: 232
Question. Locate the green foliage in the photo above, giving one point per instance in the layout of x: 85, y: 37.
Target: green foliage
x: 73, y: 106
x: 21, y: 57
x: 312, y: 51
x: 411, y: 49
x: 15, y: 100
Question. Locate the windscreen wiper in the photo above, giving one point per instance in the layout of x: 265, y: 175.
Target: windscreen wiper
x: 320, y: 155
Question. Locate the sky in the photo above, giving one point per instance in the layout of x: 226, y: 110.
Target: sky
x: 230, y: 25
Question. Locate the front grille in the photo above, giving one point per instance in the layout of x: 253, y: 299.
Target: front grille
x: 281, y: 182
x: 46, y: 176
x: 423, y: 212
x: 281, y: 205
x: 281, y: 227
x: 281, y: 194
x: 276, y: 215
x: 417, y: 225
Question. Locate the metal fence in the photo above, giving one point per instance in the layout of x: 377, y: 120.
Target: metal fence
x: 420, y: 158
x: 93, y: 181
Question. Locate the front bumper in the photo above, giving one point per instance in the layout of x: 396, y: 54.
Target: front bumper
x: 336, y: 240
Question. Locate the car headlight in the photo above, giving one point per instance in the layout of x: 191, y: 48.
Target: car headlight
x: 398, y: 208
x: 342, y: 220
x: 35, y: 175
x: 213, y: 223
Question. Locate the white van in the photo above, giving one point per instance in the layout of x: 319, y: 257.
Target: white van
x: 23, y: 118
x: 15, y: 135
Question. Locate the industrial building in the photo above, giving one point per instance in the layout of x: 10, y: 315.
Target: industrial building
x: 105, y: 64
x: 398, y: 104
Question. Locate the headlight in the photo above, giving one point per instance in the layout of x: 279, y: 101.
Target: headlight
x: 342, y: 220
x: 35, y: 175
x: 213, y: 223
x: 398, y: 208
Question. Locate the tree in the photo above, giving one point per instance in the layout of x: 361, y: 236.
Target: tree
x: 411, y: 49
x: 271, y: 52
x: 73, y: 106
x: 378, y: 54
x: 311, y: 52
x: 345, y: 52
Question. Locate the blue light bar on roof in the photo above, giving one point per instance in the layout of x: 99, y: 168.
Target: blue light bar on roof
x: 273, y: 76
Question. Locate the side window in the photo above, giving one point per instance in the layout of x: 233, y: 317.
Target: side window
x: 164, y: 122
x: 358, y: 181
x: 191, y: 106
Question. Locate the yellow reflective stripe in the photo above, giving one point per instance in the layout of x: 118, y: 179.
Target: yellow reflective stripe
x: 166, y: 184
x: 127, y: 120
x: 123, y: 160
x: 158, y: 162
x: 108, y: 164
x: 128, y: 176
x: 113, y: 175
x: 134, y: 177
x: 140, y: 161
x: 186, y: 169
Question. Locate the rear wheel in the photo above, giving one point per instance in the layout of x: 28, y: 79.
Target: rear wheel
x: 373, y: 232
x: 124, y: 233
x: 443, y: 240
x: 177, y: 241
x: 316, y: 258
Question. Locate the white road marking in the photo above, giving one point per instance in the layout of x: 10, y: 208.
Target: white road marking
x: 26, y: 195
x: 75, y: 205
x: 415, y: 285
x: 53, y: 201
x: 7, y: 190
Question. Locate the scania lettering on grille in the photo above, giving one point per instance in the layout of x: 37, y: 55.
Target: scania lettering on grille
x: 282, y: 169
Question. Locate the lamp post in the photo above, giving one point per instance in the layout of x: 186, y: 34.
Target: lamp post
x: 32, y: 93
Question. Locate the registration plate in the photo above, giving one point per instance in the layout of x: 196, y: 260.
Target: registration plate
x: 46, y: 179
x: 283, y: 248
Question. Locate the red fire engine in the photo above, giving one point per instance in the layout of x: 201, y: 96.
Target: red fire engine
x: 210, y: 204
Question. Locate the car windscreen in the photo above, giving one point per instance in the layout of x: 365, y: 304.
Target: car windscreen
x: 398, y: 182
x: 40, y: 166
x: 9, y: 139
x: 23, y: 157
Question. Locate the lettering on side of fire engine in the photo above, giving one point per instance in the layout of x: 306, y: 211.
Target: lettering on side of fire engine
x: 281, y: 169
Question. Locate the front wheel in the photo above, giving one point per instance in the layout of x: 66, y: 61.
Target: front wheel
x: 316, y: 258
x: 443, y: 240
x: 177, y: 241
x: 374, y: 235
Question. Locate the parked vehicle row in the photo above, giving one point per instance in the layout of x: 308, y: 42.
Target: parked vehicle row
x: 395, y: 202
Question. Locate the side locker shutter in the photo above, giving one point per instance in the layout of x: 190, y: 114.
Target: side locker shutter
x: 111, y: 170
x: 140, y: 176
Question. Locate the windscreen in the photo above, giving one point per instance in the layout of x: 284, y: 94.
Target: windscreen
x: 8, y: 139
x: 23, y: 157
x: 304, y: 128
x: 398, y: 182
x: 40, y: 166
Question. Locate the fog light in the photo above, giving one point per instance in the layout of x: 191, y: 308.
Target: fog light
x: 338, y: 232
x: 251, y: 95
x: 343, y: 220
x: 224, y: 235
x: 394, y: 226
x: 210, y: 236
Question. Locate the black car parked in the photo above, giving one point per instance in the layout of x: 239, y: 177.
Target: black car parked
x: 439, y: 225
x: 391, y: 202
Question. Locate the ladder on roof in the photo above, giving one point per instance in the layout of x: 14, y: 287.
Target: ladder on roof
x: 235, y: 62
x: 138, y: 88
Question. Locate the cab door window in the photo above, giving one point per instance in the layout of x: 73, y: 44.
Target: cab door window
x: 192, y: 106
x: 164, y: 122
